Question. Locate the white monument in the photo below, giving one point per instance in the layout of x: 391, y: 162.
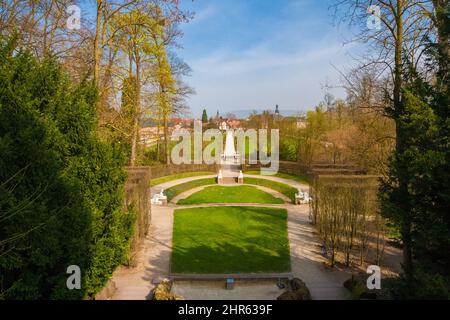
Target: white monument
x: 230, y: 151
x: 230, y: 155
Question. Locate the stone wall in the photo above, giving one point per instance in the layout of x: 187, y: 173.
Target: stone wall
x: 137, y: 195
x: 315, y: 169
x: 288, y: 167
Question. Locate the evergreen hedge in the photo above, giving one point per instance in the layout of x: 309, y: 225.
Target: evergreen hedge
x: 61, y: 187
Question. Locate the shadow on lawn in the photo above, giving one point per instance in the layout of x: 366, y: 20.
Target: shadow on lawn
x: 229, y: 258
x: 259, y: 242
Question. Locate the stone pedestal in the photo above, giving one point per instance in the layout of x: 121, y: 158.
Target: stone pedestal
x: 220, y: 177
x: 241, y: 177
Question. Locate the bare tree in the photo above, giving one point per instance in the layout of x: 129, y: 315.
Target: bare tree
x: 402, y: 32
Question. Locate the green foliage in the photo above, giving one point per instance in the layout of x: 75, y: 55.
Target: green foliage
x: 62, y: 186
x: 204, y: 116
x: 288, y: 150
x: 416, y: 193
x: 425, y: 286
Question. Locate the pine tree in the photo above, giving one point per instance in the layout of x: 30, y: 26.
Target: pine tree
x: 204, y: 116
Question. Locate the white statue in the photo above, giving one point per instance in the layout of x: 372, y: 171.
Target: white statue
x: 159, y: 198
x: 302, y: 197
x: 156, y: 200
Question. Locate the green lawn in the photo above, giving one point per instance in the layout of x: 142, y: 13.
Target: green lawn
x: 298, y: 178
x: 230, y: 240
x: 157, y: 181
x: 180, y: 188
x: 240, y: 194
x: 288, y: 191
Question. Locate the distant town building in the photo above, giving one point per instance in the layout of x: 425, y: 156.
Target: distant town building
x: 182, y: 123
x: 225, y: 124
x: 234, y: 123
x: 277, y: 115
x: 301, y: 123
x: 148, y: 135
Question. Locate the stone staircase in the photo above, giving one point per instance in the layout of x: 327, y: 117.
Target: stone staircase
x: 230, y: 173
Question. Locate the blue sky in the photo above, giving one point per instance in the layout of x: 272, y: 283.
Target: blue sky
x: 253, y: 54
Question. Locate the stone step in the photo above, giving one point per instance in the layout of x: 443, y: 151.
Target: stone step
x: 229, y: 180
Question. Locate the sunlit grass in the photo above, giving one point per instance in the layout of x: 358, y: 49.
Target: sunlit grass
x: 180, y: 188
x: 299, y: 178
x: 230, y: 240
x: 158, y: 181
x: 239, y: 194
x: 283, y: 188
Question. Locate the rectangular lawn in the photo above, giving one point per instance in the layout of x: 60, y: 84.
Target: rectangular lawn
x: 230, y: 240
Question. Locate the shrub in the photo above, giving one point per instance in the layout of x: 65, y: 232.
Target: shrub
x: 426, y: 285
x: 297, y: 291
x: 163, y: 291
x: 61, y: 190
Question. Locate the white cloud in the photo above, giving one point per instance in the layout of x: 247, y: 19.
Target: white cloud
x: 204, y: 14
x: 260, y: 78
x: 288, y: 66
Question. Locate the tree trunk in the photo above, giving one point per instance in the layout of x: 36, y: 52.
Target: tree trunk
x: 442, y: 21
x: 134, y: 142
x: 166, y: 138
x: 137, y: 113
x: 398, y: 111
x: 96, y: 43
x: 398, y: 55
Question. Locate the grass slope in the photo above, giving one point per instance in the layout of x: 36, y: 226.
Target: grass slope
x: 180, y: 188
x: 278, y: 186
x: 230, y: 240
x: 157, y: 181
x: 298, y: 178
x: 239, y: 194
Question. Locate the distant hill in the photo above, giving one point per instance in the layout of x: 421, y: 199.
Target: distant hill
x: 244, y: 113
